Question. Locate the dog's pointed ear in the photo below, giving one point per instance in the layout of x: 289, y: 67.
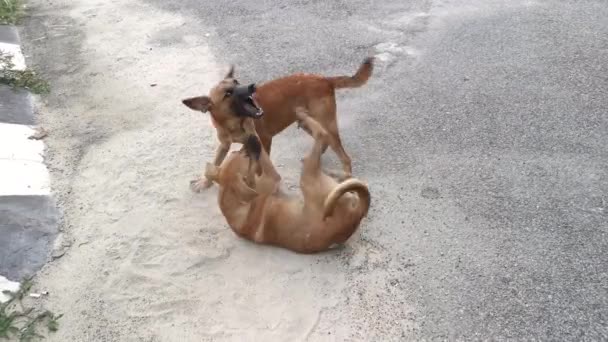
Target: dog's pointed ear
x: 212, y: 172
x: 200, y: 103
x: 230, y: 73
x: 245, y: 192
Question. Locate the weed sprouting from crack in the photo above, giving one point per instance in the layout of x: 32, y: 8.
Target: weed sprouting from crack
x: 10, y: 11
x: 21, y: 323
x: 27, y: 79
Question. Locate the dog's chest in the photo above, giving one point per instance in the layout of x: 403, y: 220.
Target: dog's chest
x: 234, y: 130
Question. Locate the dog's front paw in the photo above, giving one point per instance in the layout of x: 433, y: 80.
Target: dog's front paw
x: 198, y: 185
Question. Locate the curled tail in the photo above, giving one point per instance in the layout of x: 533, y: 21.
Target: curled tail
x: 347, y: 186
x: 358, y: 79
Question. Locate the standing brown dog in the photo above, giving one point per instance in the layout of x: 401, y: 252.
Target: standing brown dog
x: 329, y: 212
x: 236, y: 117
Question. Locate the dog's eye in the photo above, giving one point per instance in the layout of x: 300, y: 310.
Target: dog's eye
x: 228, y: 93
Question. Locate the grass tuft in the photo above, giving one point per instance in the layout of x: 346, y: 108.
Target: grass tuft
x: 23, y: 324
x: 10, y: 11
x: 26, y: 79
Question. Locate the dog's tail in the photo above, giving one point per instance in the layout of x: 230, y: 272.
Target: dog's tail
x: 347, y: 186
x: 358, y: 79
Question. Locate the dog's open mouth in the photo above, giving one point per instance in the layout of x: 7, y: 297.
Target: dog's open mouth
x: 244, y: 102
x: 254, y: 107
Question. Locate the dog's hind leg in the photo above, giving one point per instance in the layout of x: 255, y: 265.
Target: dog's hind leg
x: 312, y: 161
x: 307, y: 130
x: 336, y: 145
x: 325, y: 112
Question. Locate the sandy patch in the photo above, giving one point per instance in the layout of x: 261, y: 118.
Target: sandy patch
x: 148, y: 259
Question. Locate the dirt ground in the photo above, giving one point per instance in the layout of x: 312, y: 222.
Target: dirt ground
x: 145, y: 259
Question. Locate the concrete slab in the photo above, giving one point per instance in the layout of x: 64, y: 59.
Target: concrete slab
x: 28, y: 226
x: 16, y: 145
x: 13, y: 50
x: 21, y: 162
x: 23, y: 177
x: 7, y: 285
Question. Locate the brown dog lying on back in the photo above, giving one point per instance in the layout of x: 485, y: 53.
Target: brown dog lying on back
x: 329, y: 212
x: 236, y: 111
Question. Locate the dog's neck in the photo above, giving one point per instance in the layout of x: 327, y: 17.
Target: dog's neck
x: 213, y: 121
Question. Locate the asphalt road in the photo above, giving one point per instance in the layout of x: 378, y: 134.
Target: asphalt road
x: 483, y: 137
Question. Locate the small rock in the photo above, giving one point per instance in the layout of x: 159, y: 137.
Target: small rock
x: 430, y: 193
x: 61, y: 246
x: 38, y: 295
x: 58, y: 254
x: 39, y: 134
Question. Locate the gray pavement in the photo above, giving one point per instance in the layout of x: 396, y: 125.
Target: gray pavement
x: 8, y: 34
x: 28, y: 226
x: 483, y: 136
x: 15, y: 106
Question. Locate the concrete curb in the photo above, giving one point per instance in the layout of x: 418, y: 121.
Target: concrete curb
x: 28, y: 215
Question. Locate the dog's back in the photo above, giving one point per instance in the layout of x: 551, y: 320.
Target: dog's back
x: 280, y: 97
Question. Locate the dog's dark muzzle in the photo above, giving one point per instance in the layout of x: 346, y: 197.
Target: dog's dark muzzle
x: 244, y: 103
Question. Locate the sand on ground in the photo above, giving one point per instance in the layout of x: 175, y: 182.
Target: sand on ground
x: 140, y: 257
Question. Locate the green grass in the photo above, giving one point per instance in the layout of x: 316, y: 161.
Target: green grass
x: 26, y: 79
x: 24, y: 324
x: 10, y: 11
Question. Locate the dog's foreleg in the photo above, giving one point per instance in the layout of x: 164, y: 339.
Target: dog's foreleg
x: 267, y: 165
x: 197, y: 185
x: 220, y: 153
x: 264, y: 158
x: 266, y: 142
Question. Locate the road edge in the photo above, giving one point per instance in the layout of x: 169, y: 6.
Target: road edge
x: 29, y: 217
